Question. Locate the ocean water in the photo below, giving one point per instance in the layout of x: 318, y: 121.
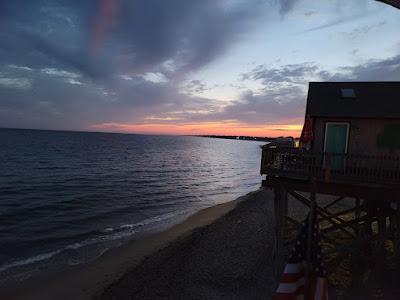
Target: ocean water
x: 67, y: 197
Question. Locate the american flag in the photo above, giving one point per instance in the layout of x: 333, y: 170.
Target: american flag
x: 293, y: 282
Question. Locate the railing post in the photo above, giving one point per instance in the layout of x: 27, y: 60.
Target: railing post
x: 328, y: 168
x: 310, y: 230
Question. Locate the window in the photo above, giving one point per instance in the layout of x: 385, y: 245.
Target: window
x: 348, y: 93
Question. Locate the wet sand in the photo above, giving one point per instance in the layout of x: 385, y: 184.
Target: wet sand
x: 228, y: 259
x: 220, y: 252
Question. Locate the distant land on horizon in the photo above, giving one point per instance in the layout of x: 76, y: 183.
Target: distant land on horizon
x: 246, y: 138
x: 231, y: 137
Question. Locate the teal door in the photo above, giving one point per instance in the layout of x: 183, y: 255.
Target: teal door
x: 336, y: 137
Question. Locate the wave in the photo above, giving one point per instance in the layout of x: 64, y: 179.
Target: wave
x: 119, y: 232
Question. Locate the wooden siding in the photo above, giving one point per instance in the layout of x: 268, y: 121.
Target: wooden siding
x: 363, y: 135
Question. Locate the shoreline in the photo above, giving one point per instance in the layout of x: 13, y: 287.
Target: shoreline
x: 96, y: 275
x: 230, y: 258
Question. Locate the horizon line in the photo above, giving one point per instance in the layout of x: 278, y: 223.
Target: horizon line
x: 134, y: 133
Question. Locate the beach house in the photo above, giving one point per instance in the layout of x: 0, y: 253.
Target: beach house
x: 350, y: 150
x: 351, y: 131
x: 355, y: 117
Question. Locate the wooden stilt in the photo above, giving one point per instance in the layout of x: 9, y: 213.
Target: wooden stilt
x: 310, y: 237
x: 280, y: 208
x: 356, y: 259
x: 382, y: 220
x: 396, y: 235
x: 357, y: 214
x: 370, y: 216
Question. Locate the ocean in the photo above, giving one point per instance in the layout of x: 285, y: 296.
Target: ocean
x: 67, y: 197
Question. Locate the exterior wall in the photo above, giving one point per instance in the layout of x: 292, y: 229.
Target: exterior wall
x: 363, y: 135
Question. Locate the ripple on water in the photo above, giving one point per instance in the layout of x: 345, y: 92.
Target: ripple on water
x: 68, y: 196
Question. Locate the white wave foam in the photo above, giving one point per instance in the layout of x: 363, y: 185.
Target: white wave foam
x: 30, y: 260
x: 157, y: 219
x: 122, y: 233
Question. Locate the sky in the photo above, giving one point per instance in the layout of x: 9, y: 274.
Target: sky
x: 227, y: 67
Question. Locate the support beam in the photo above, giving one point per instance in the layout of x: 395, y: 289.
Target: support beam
x: 396, y: 235
x: 323, y: 213
x: 355, y: 190
x: 343, y: 212
x: 310, y: 237
x: 352, y: 223
x: 293, y: 221
x: 280, y: 209
x: 357, y: 214
x: 333, y: 202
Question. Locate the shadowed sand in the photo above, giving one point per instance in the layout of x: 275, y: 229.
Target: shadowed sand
x: 229, y: 259
x: 222, y: 252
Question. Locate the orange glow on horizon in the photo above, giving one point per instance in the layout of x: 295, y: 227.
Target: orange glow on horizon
x: 208, y: 128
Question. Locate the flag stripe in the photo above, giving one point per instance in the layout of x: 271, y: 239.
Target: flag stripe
x: 321, y: 291
x: 293, y: 284
x: 290, y: 287
x: 294, y: 268
x: 288, y: 278
x: 297, y: 294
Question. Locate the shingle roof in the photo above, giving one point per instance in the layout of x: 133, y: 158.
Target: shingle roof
x: 372, y: 99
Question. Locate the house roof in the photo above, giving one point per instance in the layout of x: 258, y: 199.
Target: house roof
x: 354, y: 99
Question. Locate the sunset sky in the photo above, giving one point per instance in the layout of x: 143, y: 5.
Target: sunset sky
x: 235, y: 67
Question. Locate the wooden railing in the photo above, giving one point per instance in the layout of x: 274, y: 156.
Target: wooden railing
x: 301, y: 164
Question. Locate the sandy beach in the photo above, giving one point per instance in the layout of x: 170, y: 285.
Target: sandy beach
x: 220, y: 252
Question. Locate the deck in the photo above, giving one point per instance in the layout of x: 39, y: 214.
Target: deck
x: 365, y: 207
x: 299, y: 164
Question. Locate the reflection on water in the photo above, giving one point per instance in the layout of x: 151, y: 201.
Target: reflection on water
x: 67, y: 196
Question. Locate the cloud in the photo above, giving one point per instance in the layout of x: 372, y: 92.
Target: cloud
x: 16, y: 83
x: 143, y: 52
x: 371, y: 70
x: 345, y: 12
x: 284, y: 105
x: 286, y: 6
x: 282, y: 98
x: 67, y: 64
x: 362, y: 31
x: 286, y: 74
x: 60, y: 73
x: 52, y: 100
x: 196, y: 86
x: 132, y: 37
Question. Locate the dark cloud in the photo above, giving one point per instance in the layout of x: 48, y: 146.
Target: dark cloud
x: 196, y: 86
x: 293, y: 74
x: 345, y: 12
x: 110, y: 56
x: 282, y: 98
x: 68, y: 64
x: 284, y: 105
x: 286, y: 5
x: 141, y: 36
x: 372, y: 70
x: 362, y: 31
